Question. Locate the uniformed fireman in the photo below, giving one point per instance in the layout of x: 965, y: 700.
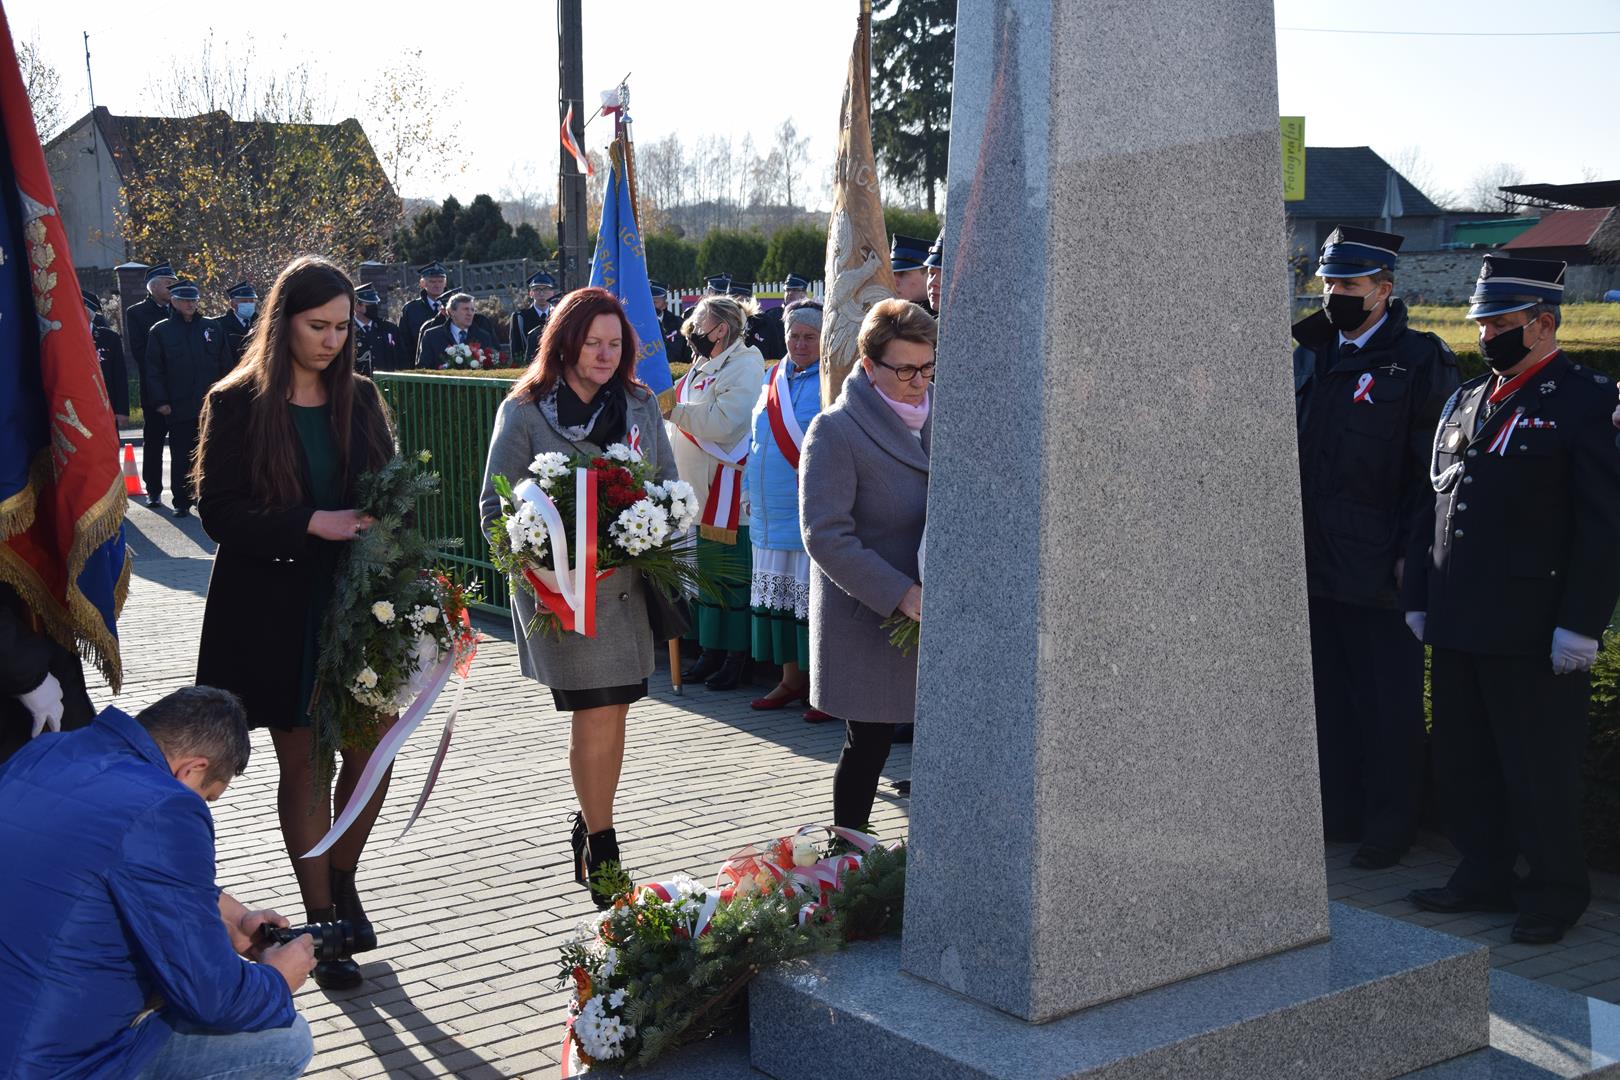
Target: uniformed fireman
x: 110, y: 352
x: 1512, y: 588
x: 935, y: 280
x: 237, y: 322
x: 908, y: 257
x: 754, y: 333
x: 138, y: 322
x: 541, y: 286
x: 378, y: 343
x: 1368, y: 391
x: 424, y: 308
x: 675, y: 343
x: 185, y: 355
x: 794, y: 289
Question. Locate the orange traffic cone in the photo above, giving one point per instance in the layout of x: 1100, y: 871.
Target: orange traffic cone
x: 132, y: 479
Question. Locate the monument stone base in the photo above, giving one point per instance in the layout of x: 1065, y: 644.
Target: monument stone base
x: 1380, y: 999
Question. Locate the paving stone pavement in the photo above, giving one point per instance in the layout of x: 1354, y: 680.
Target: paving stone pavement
x: 472, y: 906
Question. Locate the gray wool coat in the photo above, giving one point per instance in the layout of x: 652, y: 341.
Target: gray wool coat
x: 863, y: 495
x: 621, y: 653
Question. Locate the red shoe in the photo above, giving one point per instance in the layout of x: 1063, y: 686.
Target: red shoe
x: 767, y: 702
x: 816, y: 716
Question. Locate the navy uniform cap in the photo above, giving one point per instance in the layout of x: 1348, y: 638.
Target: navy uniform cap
x: 367, y: 294
x: 160, y: 270
x: 185, y: 290
x: 91, y: 300
x: 907, y: 253
x: 432, y: 269
x: 794, y: 281
x: 242, y: 291
x: 540, y: 277
x: 741, y: 288
x: 658, y: 289
x: 1508, y: 284
x: 718, y: 282
x: 1352, y: 252
x: 936, y: 254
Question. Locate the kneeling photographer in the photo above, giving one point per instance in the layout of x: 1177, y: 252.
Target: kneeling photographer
x: 119, y: 956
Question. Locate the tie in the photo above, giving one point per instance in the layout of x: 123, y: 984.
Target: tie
x: 1349, y: 348
x: 457, y: 334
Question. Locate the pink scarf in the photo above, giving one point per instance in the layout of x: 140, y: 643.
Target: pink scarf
x: 913, y: 416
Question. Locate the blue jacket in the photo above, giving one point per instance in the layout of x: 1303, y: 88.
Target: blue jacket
x: 770, y: 483
x: 110, y: 905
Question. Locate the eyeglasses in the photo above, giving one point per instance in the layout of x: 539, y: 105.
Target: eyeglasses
x: 906, y: 373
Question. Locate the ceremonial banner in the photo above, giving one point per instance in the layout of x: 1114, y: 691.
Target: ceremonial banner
x: 62, y: 497
x: 858, y: 273
x: 620, y: 267
x: 1293, y: 158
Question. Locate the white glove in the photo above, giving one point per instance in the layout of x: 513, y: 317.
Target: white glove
x: 1416, y: 621
x: 1572, y: 651
x: 45, y: 702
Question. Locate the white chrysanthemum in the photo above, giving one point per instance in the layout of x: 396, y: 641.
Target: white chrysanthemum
x: 654, y: 491
x: 427, y: 613
x: 610, y: 964
x: 680, y: 489
x: 620, y: 452
x: 616, y: 999
x: 548, y: 468
x: 366, y: 678
x: 383, y: 612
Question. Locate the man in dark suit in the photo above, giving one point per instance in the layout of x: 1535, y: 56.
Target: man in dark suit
x: 110, y: 351
x: 138, y: 323
x: 754, y: 333
x: 1369, y: 390
x: 1512, y: 587
x: 676, y: 346
x: 185, y: 355
x: 378, y: 344
x: 424, y: 309
x: 237, y: 322
x: 526, y: 321
x: 457, y: 329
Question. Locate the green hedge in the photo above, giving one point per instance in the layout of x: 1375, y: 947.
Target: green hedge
x: 1606, y: 360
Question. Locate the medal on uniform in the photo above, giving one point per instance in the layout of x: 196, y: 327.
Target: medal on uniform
x: 1364, y: 388
x: 1504, y: 435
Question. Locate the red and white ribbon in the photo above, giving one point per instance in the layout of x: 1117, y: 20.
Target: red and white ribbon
x: 567, y: 591
x: 1504, y: 437
x: 1364, y: 388
x: 785, y: 427
x: 572, y: 147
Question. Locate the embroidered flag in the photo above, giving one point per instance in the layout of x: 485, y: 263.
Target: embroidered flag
x: 62, y: 497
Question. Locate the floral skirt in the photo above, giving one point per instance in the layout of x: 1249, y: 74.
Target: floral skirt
x: 780, y: 601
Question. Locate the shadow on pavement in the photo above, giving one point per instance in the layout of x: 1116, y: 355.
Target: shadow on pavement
x: 382, y: 998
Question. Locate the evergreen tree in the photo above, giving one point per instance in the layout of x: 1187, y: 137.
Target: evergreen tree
x: 798, y: 249
x: 914, y: 52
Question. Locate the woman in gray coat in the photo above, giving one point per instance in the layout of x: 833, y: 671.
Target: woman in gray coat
x: 579, y: 396
x: 862, y: 499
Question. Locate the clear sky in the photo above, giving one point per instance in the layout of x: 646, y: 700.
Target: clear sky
x: 1546, y: 104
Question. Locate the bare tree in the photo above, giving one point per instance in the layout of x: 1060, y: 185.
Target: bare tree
x: 44, y: 87
x: 227, y: 78
x: 401, y: 107
x: 793, y: 156
x: 1484, y: 191
x: 524, y: 198
x: 1415, y: 166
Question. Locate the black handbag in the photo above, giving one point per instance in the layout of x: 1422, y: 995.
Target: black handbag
x: 669, y: 615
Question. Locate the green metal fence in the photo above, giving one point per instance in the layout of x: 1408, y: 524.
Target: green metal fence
x: 453, y: 417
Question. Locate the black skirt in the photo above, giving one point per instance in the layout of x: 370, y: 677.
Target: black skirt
x: 598, y: 697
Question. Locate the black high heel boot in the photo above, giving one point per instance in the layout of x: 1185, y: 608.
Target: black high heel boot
x: 601, y: 849
x: 346, y: 901
x: 710, y: 662
x: 576, y: 839
x: 334, y: 974
x: 730, y: 673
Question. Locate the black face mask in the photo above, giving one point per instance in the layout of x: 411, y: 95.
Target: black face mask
x: 1505, y: 350
x: 702, y: 345
x: 1345, y: 312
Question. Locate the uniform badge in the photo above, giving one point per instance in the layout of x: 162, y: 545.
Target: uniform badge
x: 1454, y: 441
x: 1548, y: 387
x: 1364, y: 388
x: 208, y: 335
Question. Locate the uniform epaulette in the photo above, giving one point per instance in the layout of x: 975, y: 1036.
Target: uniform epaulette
x: 1476, y: 381
x: 1594, y: 374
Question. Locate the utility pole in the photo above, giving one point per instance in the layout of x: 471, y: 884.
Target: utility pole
x: 574, y: 266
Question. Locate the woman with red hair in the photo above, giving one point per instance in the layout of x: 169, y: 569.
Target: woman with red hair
x: 578, y: 397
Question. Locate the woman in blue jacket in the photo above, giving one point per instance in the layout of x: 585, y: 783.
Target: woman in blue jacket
x: 780, y: 594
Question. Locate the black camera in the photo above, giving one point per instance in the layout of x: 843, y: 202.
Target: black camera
x: 336, y: 940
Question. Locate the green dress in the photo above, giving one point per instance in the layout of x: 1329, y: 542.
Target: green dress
x: 314, y: 426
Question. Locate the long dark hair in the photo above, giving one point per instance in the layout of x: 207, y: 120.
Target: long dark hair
x: 273, y: 465
x: 564, y: 337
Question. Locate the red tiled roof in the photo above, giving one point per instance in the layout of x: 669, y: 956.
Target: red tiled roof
x: 1566, y: 228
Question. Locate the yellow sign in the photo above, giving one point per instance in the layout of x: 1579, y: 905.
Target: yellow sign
x: 1293, y: 158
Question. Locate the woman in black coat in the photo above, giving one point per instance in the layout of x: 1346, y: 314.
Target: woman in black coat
x: 284, y: 438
